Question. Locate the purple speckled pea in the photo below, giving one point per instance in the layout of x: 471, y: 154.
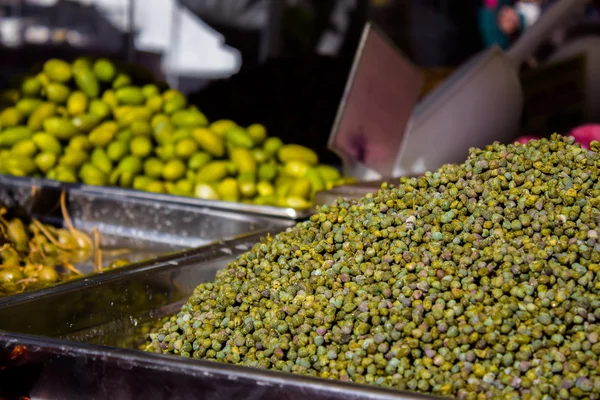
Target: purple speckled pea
x: 567, y: 384
x: 442, y: 327
x: 364, y: 306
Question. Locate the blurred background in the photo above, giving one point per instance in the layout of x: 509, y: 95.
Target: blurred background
x: 282, y: 63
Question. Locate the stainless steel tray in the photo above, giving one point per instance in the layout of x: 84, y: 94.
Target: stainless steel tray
x: 268, y: 211
x: 132, y: 228
x: 107, y: 308
x: 42, y: 368
x: 81, y: 321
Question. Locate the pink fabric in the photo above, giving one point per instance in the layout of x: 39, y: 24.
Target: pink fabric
x: 526, y: 139
x: 585, y: 134
x: 491, y: 3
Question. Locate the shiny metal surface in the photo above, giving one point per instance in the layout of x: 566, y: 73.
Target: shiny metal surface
x: 41, y: 368
x: 267, y: 211
x: 131, y: 228
x: 89, y: 318
x: 107, y: 308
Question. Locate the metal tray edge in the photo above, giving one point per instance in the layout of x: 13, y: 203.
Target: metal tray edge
x: 269, y: 211
x: 203, y: 369
x: 197, y: 254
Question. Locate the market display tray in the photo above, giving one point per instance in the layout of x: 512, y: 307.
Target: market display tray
x: 82, y: 342
x: 44, y: 368
x: 267, y: 211
x: 107, y: 308
x: 131, y: 228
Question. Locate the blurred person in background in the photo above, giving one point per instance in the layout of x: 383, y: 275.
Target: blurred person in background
x: 503, y: 21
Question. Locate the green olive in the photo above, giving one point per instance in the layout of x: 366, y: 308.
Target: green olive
x: 10, y: 275
x: 48, y: 275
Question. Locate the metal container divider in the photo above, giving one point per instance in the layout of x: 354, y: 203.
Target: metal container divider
x: 135, y: 229
x: 117, y: 192
x: 107, y: 308
x: 86, y: 317
x: 50, y: 368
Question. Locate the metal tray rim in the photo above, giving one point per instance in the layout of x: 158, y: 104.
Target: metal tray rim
x: 183, y: 365
x: 171, y: 260
x: 269, y: 211
x: 263, y: 225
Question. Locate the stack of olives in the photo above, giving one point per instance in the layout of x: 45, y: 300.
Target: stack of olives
x: 87, y: 122
x: 35, y: 255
